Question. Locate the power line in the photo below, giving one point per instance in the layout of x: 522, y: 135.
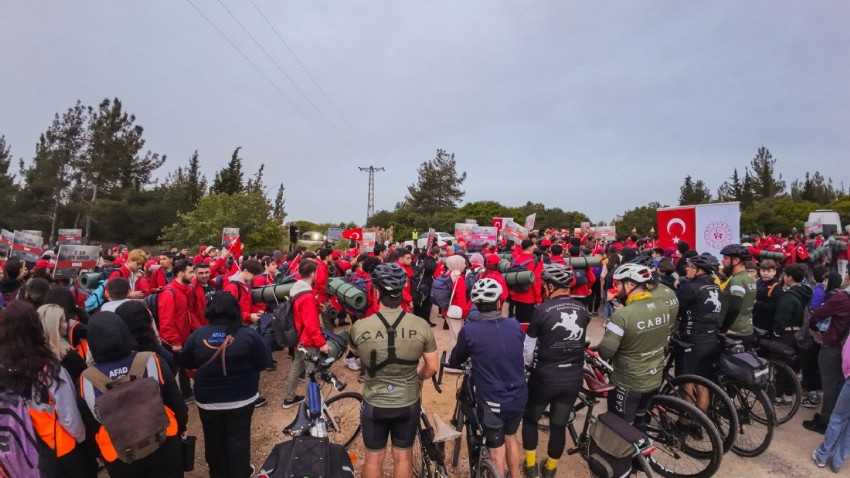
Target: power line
x: 338, y: 112
x: 370, y: 206
x: 264, y: 75
x: 280, y: 68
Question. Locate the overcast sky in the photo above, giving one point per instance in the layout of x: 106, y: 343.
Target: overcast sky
x: 590, y: 106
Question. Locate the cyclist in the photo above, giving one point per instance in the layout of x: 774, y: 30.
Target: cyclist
x: 634, y: 341
x: 390, y: 344
x: 739, y: 294
x: 657, y: 288
x: 495, y: 346
x: 554, y: 350
x: 699, y: 305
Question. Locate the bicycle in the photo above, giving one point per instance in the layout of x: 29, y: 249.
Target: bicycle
x: 782, y: 381
x: 429, y: 451
x: 687, y: 443
x: 465, y: 419
x: 756, y: 415
x: 337, y: 417
x: 720, y: 408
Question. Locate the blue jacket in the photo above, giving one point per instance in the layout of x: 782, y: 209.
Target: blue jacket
x: 244, y: 359
x: 498, y: 372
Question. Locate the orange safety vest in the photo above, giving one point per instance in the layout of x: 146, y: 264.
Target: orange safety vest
x: 107, y: 449
x: 46, y: 424
x: 82, y: 347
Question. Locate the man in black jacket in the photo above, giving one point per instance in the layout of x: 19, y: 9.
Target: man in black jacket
x: 420, y: 288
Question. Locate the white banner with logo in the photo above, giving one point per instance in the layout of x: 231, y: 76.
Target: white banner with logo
x: 717, y: 225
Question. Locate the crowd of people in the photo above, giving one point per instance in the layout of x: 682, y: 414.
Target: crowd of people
x: 70, y: 356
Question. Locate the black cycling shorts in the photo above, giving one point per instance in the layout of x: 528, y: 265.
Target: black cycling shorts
x: 497, y: 425
x: 560, y: 401
x: 629, y: 404
x: 700, y: 360
x: 381, y: 423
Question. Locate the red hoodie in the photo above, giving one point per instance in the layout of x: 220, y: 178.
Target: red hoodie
x: 306, y: 313
x: 174, y: 318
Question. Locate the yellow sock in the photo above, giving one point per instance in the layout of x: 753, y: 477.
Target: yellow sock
x: 530, y: 457
x: 551, y: 464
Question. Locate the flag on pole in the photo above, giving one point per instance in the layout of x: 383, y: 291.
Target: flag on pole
x: 236, y: 247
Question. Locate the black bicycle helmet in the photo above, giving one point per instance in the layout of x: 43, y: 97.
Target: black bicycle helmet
x: 389, y: 277
x: 705, y: 261
x: 644, y: 259
x: 558, y: 275
x: 736, y: 250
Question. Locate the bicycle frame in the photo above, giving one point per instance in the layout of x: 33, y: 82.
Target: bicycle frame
x: 312, y: 412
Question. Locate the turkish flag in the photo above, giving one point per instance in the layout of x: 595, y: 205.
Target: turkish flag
x: 353, y: 234
x: 497, y: 222
x: 676, y: 225
x: 236, y: 247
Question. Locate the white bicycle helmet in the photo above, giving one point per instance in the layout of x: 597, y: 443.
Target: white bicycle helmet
x: 486, y: 291
x: 633, y: 272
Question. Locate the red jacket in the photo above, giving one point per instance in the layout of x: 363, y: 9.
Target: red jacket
x: 261, y: 280
x: 174, y: 318
x: 320, y: 283
x: 306, y: 313
x: 158, y: 280
x: 242, y: 292
x: 583, y: 290
x: 198, y: 305
x: 459, y: 299
x: 372, y: 304
x: 534, y: 294
x: 219, y: 268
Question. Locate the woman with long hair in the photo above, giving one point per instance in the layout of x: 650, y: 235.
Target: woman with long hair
x: 54, y: 321
x: 29, y: 368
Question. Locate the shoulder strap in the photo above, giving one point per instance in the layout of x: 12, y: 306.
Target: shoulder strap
x: 97, y: 378
x: 140, y: 363
x: 220, y: 350
x: 372, y: 368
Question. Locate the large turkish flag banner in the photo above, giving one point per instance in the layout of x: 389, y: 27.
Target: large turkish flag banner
x: 677, y: 224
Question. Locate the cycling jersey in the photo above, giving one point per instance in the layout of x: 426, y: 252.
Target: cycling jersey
x: 635, y: 340
x: 554, y: 342
x: 699, y: 302
x: 743, y: 286
x: 669, y: 296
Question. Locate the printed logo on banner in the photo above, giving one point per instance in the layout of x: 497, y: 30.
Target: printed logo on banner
x: 718, y: 234
x: 229, y: 235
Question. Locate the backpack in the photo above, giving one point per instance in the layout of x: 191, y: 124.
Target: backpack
x: 131, y: 410
x: 283, y: 323
x: 308, y: 457
x: 361, y: 283
x: 520, y: 268
x: 18, y: 452
x: 152, y: 303
x: 419, y: 288
x: 441, y: 291
x: 471, y: 279
x: 803, y: 336
x: 95, y: 298
x: 579, y: 277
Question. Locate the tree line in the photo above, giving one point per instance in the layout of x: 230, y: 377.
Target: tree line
x: 91, y: 170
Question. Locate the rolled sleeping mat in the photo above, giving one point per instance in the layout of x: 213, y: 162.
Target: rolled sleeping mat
x: 271, y: 293
x: 838, y: 246
x: 90, y: 279
x: 776, y: 256
x: 345, y: 292
x: 817, y: 253
x: 519, y: 278
x: 585, y: 262
x: 504, y: 266
x: 337, y: 342
x: 505, y: 256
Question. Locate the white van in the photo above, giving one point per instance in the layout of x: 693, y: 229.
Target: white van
x: 829, y: 219
x: 441, y: 238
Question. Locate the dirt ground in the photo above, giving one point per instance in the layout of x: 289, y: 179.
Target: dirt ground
x: 788, y: 456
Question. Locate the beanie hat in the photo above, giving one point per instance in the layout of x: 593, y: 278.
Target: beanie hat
x: 455, y: 263
x: 476, y: 259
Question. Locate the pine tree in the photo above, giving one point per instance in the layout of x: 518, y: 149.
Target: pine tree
x: 438, y: 187
x: 766, y: 184
x: 7, y: 185
x: 255, y: 184
x: 195, y: 182
x: 278, y: 211
x: 694, y: 192
x: 229, y: 179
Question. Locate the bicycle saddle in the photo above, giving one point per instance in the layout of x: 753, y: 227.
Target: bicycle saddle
x: 729, y: 341
x: 596, y: 388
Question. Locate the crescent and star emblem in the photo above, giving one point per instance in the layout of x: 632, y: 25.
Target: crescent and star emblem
x: 679, y: 221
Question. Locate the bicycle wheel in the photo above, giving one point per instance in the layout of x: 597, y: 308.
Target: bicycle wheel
x: 486, y: 469
x: 783, y: 374
x: 422, y: 467
x: 687, y: 443
x: 457, y: 422
x: 721, y: 410
x: 342, y: 412
x: 756, y: 418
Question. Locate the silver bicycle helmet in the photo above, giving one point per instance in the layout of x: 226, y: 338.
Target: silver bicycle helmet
x: 558, y: 275
x: 633, y: 272
x: 486, y: 291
